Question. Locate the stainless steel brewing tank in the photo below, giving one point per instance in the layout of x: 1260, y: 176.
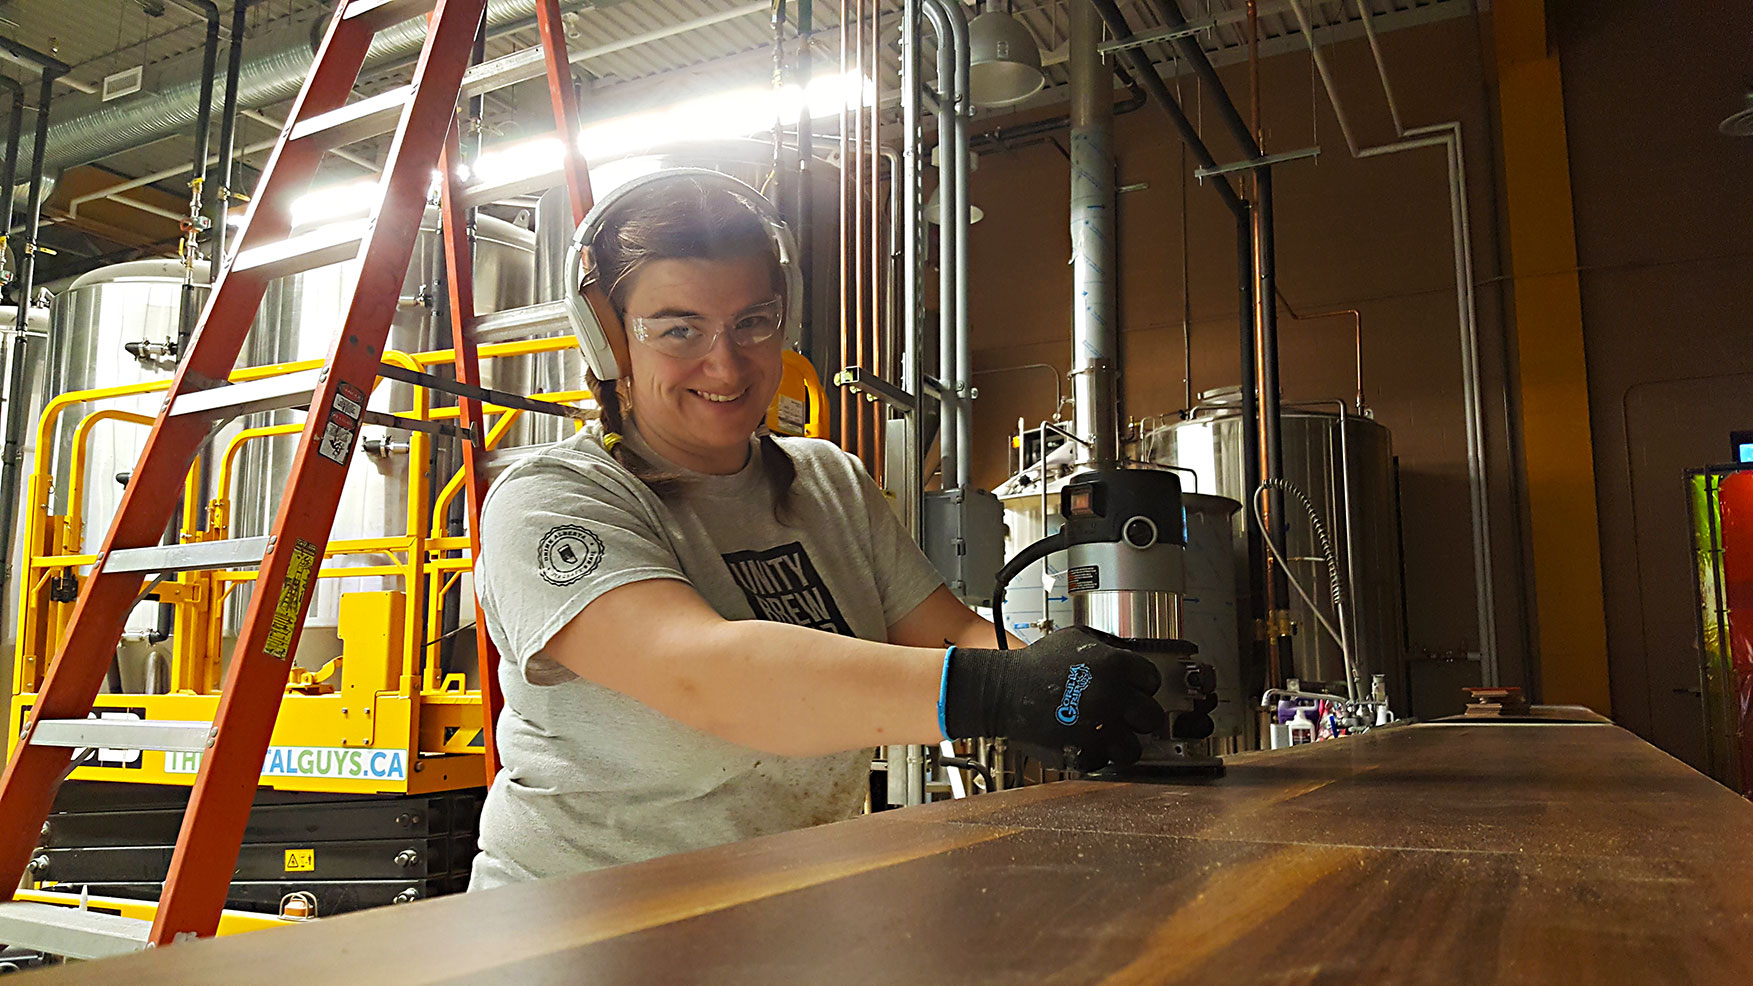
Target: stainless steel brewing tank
x: 297, y: 321
x: 1209, y: 615
x: 91, y: 322
x: 1345, y: 465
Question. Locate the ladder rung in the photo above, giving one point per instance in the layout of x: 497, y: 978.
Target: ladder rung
x: 527, y: 322
x: 191, y: 557
x: 506, y: 70
x: 69, y: 931
x: 331, y: 244
x: 171, y: 735
x: 383, y: 13
x: 485, y: 193
x: 378, y: 114
x: 274, y: 393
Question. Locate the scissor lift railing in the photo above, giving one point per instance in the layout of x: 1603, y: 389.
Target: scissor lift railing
x: 439, y: 716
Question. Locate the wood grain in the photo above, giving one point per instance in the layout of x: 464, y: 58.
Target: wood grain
x: 1426, y: 854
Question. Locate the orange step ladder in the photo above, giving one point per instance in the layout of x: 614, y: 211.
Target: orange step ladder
x: 421, y: 116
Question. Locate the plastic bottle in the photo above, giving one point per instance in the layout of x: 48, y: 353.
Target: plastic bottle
x: 1302, y: 730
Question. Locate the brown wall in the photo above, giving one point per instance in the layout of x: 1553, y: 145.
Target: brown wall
x: 1368, y: 234
x: 1664, y: 230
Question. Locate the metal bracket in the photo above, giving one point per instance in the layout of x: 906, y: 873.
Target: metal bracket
x: 498, y: 397
x: 1255, y: 162
x: 874, y: 388
x: 441, y: 428
x: 1152, y: 37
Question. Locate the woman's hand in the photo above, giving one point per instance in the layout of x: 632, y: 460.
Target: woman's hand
x: 1067, y: 698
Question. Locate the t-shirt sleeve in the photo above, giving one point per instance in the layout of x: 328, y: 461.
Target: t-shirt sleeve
x: 904, y: 575
x: 553, y: 539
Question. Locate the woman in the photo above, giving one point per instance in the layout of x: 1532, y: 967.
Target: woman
x: 703, y: 629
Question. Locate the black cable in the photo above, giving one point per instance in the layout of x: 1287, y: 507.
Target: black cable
x: 968, y: 763
x: 1058, y: 541
x: 446, y: 635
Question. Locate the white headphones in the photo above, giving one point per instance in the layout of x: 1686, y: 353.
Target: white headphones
x: 600, y: 334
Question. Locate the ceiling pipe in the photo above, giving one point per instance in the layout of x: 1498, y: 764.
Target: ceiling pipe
x: 1094, y: 332
x: 9, y: 170
x: 18, y: 354
x: 1146, y: 74
x: 228, y: 112
x: 277, y: 76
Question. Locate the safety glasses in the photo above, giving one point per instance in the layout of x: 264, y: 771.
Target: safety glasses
x: 693, y: 336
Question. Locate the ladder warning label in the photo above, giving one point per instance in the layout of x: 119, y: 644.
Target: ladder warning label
x: 337, y: 762
x: 336, y: 444
x: 301, y: 860
x: 291, y: 603
x: 349, y: 400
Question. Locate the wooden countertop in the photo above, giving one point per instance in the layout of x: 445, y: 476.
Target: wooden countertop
x: 1442, y: 854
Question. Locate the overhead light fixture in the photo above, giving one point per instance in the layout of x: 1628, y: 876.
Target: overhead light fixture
x: 934, y: 209
x: 1004, y: 64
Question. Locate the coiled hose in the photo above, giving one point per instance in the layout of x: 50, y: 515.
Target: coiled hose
x: 1335, y: 585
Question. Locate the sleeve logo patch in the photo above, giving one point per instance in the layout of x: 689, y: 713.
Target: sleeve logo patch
x: 568, y: 553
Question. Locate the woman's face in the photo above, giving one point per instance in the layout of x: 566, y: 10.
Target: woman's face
x: 700, y: 412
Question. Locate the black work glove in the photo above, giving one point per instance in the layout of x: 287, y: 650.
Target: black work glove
x: 1068, y: 699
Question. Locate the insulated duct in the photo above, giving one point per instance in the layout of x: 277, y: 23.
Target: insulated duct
x: 1095, y: 338
x: 277, y: 75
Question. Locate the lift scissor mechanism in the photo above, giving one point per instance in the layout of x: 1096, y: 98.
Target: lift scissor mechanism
x: 422, y: 117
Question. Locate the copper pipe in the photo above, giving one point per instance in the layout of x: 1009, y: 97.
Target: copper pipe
x: 858, y: 271
x: 1356, y: 335
x: 838, y: 432
x: 872, y: 66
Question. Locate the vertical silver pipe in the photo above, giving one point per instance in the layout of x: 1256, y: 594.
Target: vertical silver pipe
x: 1092, y: 240
x: 18, y: 372
x: 963, y: 220
x: 907, y: 487
x: 947, y: 272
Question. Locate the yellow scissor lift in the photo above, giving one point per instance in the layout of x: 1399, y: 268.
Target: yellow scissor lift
x: 394, y: 725
x: 380, y: 719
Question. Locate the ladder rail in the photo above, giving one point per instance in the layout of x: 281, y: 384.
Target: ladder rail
x: 559, y: 72
x: 460, y: 284
x: 33, y: 774
x: 459, y: 275
x: 212, y: 832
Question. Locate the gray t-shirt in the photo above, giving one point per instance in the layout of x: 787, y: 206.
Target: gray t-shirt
x: 592, y: 777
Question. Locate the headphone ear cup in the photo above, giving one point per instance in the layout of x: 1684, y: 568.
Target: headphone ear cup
x: 601, y: 337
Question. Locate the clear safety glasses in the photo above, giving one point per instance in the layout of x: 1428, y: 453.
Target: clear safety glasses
x: 693, y: 336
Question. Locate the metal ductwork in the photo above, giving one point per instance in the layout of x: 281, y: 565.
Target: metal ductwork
x: 1095, y: 337
x: 268, y: 78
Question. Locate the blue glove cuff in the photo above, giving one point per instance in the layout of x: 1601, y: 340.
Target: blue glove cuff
x: 943, y: 694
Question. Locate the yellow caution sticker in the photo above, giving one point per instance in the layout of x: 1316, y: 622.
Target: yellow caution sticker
x: 291, y: 603
x: 301, y: 860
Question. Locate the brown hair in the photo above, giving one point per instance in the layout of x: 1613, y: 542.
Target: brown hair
x: 681, y: 219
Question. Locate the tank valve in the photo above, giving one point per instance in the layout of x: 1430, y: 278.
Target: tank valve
x: 383, y: 446
x: 148, y: 351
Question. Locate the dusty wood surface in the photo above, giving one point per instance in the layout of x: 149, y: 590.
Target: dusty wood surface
x: 1441, y: 854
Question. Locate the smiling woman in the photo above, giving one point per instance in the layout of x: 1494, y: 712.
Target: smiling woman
x: 703, y: 628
